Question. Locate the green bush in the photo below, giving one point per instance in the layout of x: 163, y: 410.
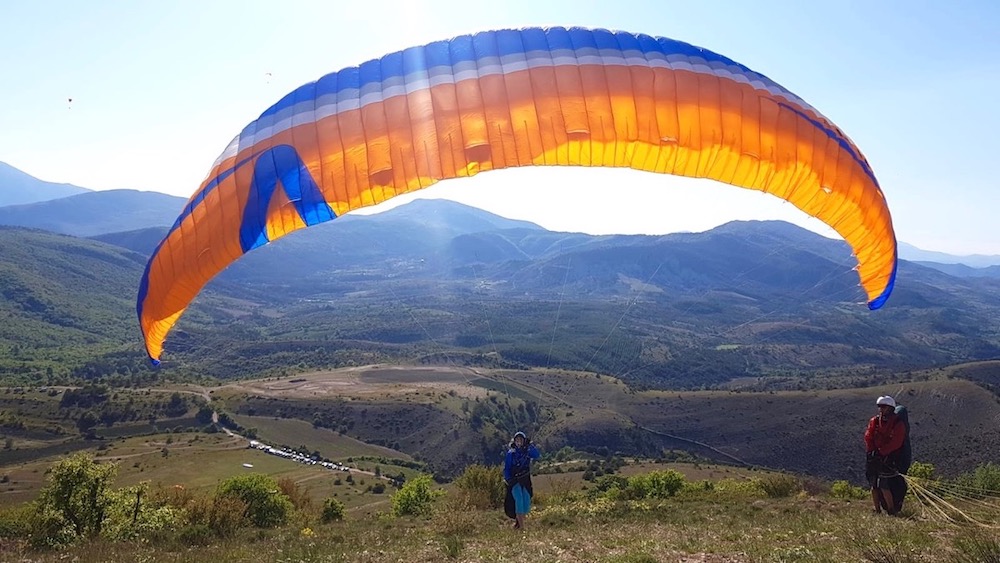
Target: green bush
x: 482, y: 486
x: 655, y: 484
x: 739, y: 488
x: 131, y: 515
x: 415, y: 498
x: 983, y: 481
x: 921, y: 470
x: 267, y: 506
x: 847, y: 491
x: 333, y: 509
x: 610, y: 486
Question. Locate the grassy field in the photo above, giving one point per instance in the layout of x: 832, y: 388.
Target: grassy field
x: 199, y: 461
x: 295, y: 433
x: 722, y: 525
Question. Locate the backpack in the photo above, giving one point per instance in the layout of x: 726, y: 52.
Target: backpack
x: 906, y: 452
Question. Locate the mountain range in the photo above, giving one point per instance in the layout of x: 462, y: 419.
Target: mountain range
x: 95, y: 213
x: 27, y: 201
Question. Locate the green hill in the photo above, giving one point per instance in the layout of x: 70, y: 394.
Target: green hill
x: 64, y: 300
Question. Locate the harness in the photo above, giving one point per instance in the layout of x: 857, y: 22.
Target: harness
x: 520, y: 464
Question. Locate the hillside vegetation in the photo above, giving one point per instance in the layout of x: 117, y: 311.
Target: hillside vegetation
x: 642, y: 513
x: 452, y: 417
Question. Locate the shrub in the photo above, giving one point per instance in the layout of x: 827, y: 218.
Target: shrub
x: 482, y: 486
x: 333, y: 509
x: 196, y: 534
x: 847, y: 491
x: 227, y: 515
x: 655, y: 484
x: 608, y: 486
x: 452, y: 546
x: 415, y: 498
x: 50, y: 529
x: 133, y: 515
x: 739, y: 488
x: 15, y: 521
x: 780, y: 486
x: 983, y: 481
x: 267, y: 506
x: 299, y: 497
x: 222, y: 515
x: 702, y: 486
x: 921, y: 470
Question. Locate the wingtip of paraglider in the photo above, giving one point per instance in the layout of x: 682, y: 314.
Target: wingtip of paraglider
x: 154, y: 362
x: 877, y: 303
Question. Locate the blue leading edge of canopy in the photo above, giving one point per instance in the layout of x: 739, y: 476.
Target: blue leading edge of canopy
x: 884, y: 296
x: 499, y: 44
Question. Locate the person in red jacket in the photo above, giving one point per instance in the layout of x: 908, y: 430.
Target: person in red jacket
x: 884, y: 440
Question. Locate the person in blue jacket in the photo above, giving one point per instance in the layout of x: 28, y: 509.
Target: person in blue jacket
x: 517, y: 476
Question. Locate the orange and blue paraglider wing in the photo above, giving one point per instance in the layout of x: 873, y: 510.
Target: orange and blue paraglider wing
x: 500, y: 99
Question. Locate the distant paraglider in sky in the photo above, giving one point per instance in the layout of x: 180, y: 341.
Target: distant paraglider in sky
x: 509, y: 98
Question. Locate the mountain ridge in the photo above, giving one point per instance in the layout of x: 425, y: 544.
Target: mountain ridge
x: 18, y: 187
x: 28, y: 187
x: 95, y: 213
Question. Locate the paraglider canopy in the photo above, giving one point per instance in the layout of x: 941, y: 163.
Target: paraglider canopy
x: 508, y: 98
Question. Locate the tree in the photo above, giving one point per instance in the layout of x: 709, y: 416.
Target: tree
x: 86, y: 422
x: 205, y: 415
x: 177, y: 406
x: 74, y: 502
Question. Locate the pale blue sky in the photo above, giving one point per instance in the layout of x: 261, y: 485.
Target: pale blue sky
x: 160, y: 88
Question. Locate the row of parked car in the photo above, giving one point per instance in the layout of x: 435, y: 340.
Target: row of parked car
x: 296, y: 456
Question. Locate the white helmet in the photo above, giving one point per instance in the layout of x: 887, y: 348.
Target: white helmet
x: 886, y: 400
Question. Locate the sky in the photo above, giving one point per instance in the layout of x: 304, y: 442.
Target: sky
x: 159, y: 89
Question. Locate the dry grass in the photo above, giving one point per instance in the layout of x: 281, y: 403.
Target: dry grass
x: 704, y: 526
